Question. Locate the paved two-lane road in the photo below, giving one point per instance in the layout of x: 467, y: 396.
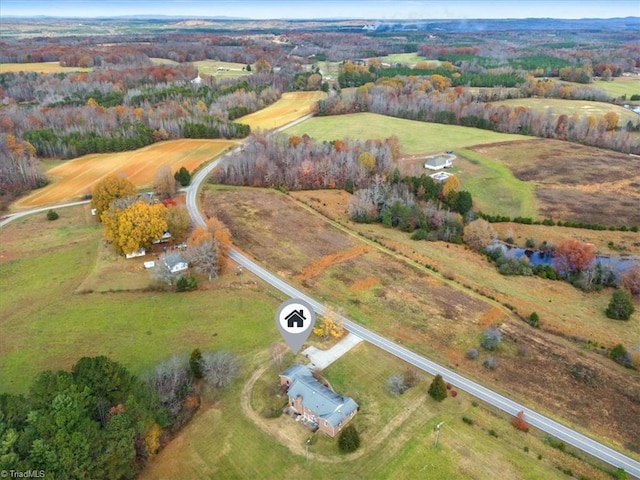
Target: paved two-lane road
x: 569, y: 436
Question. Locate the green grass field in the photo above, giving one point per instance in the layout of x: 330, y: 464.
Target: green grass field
x: 228, y: 69
x: 558, y: 106
x: 162, y: 61
x: 415, y: 137
x: 397, y: 435
x: 493, y: 186
x: 45, y: 323
x: 620, y: 86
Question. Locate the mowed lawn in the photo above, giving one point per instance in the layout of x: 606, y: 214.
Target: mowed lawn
x: 290, y: 107
x: 620, y: 86
x: 415, y: 137
x: 46, y: 323
x: 75, y: 178
x: 582, y: 108
x: 229, y: 69
x: 397, y: 435
x: 40, y: 67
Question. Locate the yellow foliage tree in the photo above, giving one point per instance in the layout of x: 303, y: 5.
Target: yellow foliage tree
x: 452, y: 184
x: 611, y: 121
x: 152, y: 440
x: 221, y: 233
x: 178, y: 222
x: 367, y: 161
x: 135, y: 226
x: 109, y: 189
x: 440, y: 82
x: 330, y: 326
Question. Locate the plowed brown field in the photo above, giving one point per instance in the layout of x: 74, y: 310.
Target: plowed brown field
x: 75, y: 178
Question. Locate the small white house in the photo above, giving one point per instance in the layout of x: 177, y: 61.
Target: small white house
x: 175, y: 263
x: 165, y: 238
x: 140, y: 253
x: 438, y: 162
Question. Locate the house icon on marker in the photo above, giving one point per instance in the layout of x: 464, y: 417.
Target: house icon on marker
x: 295, y: 319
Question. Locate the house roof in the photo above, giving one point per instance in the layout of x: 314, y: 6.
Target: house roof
x: 325, y: 403
x: 297, y: 370
x: 173, y: 260
x: 437, y: 161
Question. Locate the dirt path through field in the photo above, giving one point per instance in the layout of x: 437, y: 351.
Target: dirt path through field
x: 297, y: 448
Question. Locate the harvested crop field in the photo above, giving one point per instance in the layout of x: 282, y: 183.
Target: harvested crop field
x: 40, y: 67
x: 289, y: 108
x: 575, y: 182
x: 75, y: 178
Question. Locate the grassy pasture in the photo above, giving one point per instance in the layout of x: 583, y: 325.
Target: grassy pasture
x: 290, y: 107
x: 229, y: 69
x: 415, y: 137
x: 222, y: 442
x: 493, y: 186
x: 617, y: 87
x: 74, y: 178
x: 46, y: 322
x: 162, y: 61
x: 620, y: 86
x: 40, y: 67
x: 572, y: 182
x: 582, y: 108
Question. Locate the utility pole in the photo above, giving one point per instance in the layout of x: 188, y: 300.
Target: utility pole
x: 435, y: 445
x: 306, y: 445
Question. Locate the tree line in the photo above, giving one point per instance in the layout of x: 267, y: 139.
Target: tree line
x: 301, y: 163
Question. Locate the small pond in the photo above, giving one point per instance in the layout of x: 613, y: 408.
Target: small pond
x: 618, y: 264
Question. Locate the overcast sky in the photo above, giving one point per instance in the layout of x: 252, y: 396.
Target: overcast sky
x: 358, y: 9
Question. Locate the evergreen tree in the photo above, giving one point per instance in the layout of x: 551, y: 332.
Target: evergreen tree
x: 183, y: 177
x: 349, y: 440
x: 621, y: 306
x: 438, y: 389
x: 195, y: 363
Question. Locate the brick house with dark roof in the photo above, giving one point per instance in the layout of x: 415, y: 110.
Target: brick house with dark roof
x: 316, y: 403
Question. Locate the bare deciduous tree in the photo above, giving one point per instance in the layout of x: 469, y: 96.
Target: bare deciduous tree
x: 172, y: 382
x: 219, y: 368
x: 164, y: 183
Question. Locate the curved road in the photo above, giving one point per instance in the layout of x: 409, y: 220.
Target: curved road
x: 13, y: 216
x: 567, y: 435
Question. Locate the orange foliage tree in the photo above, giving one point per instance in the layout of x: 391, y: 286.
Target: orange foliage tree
x: 520, y: 423
x: 573, y: 256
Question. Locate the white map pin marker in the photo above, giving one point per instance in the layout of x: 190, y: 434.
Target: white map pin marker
x: 295, y: 319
